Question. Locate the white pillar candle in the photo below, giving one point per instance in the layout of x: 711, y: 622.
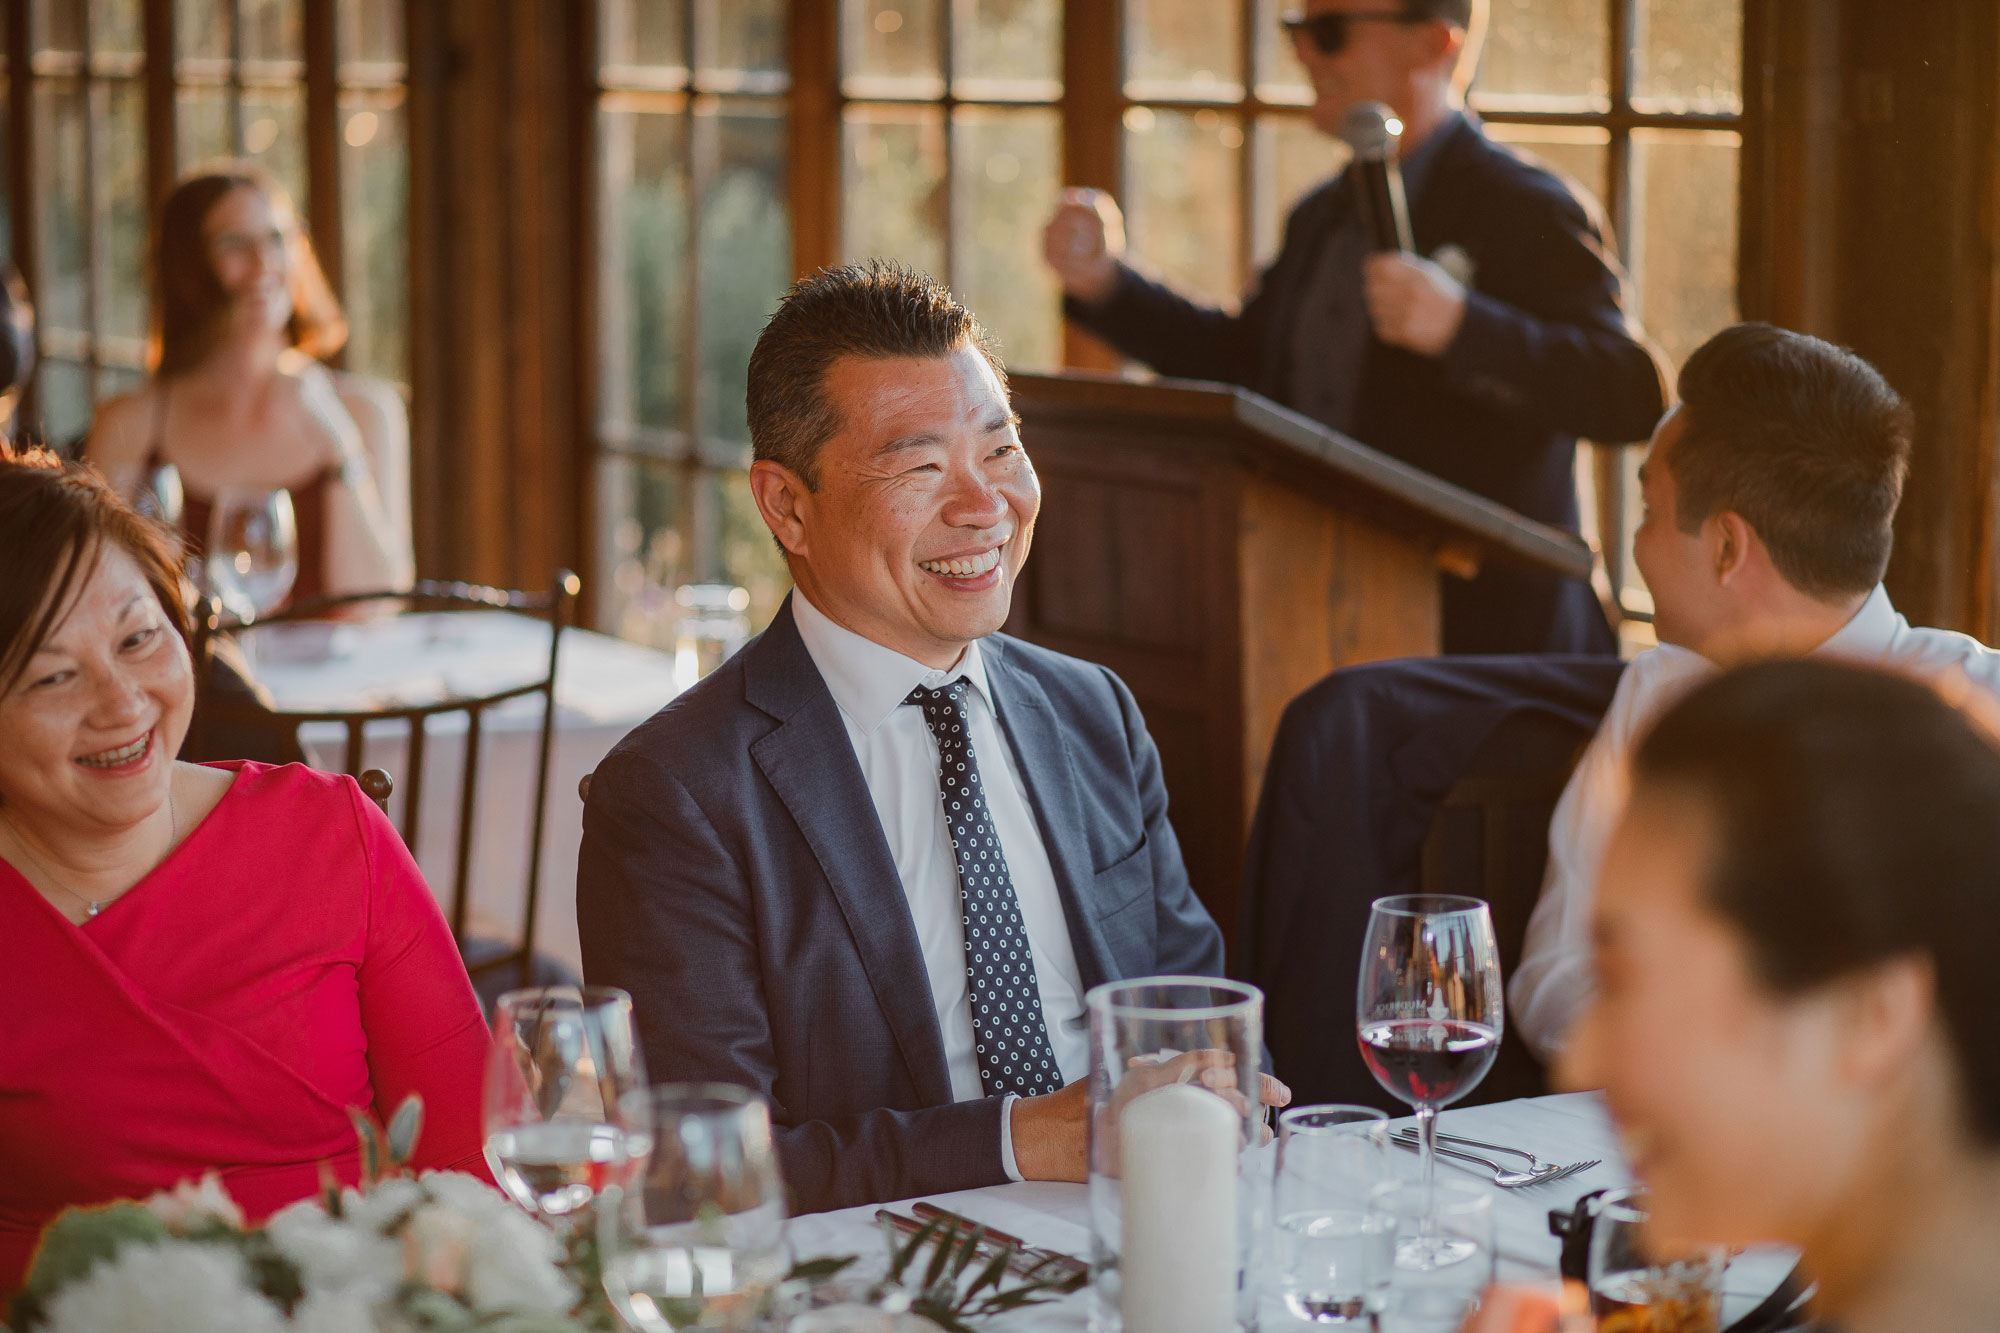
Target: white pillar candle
x: 1178, y: 1257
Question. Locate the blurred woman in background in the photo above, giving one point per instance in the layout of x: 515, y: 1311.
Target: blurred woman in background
x: 1798, y: 931
x: 239, y: 399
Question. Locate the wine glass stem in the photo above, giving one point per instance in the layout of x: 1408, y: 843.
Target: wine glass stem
x: 1427, y: 1125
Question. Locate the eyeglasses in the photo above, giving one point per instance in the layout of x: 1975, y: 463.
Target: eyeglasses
x: 1329, y: 30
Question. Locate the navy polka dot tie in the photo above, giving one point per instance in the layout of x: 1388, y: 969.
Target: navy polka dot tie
x: 1009, y: 1033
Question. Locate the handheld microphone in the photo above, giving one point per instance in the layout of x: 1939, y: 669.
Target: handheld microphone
x: 1372, y: 131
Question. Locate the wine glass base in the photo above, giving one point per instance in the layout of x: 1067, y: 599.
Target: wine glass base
x: 1425, y: 1254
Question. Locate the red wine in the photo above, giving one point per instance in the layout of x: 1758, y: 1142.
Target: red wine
x: 1429, y: 1062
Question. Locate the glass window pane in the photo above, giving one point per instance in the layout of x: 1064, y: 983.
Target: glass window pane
x: 374, y: 212
x: 201, y: 29
x: 1280, y: 76
x: 1684, y: 234
x: 1184, y: 48
x: 746, y: 251
x: 64, y: 393
x: 202, y: 124
x: 272, y: 29
x: 1007, y: 50
x: 61, y: 292
x: 741, y: 44
x: 274, y: 137
x: 1006, y: 175
x: 642, y: 288
x: 121, y: 202
x: 650, y: 33
x: 640, y: 508
x: 892, y: 48
x: 58, y: 25
x: 116, y: 27
x: 1689, y: 55
x: 1183, y: 184
x: 1580, y: 152
x: 750, y: 559
x: 1293, y: 159
x: 371, y: 32
x: 1538, y: 50
x: 893, y: 193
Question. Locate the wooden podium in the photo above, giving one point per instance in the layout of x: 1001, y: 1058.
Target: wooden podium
x: 1221, y: 553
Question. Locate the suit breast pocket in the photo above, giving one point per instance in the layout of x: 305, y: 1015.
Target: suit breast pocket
x: 1124, y: 883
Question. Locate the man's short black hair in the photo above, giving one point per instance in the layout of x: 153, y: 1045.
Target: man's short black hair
x: 1458, y: 13
x: 1806, y: 441
x: 876, y: 309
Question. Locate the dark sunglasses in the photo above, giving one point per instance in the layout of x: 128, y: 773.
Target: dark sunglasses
x: 1329, y: 31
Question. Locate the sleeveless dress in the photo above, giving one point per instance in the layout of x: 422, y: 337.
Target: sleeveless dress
x: 284, y: 963
x: 309, y: 500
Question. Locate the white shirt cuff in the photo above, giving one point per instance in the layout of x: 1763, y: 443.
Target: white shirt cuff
x: 1007, y: 1162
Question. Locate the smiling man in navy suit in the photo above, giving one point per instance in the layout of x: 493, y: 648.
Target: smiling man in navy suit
x: 870, y: 866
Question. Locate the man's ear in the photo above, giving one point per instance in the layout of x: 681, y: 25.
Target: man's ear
x: 1731, y: 544
x: 1886, y: 1013
x: 1440, y: 41
x: 785, y: 501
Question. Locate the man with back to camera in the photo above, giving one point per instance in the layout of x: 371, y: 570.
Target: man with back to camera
x: 870, y: 866
x: 1770, y: 494
x: 1481, y: 364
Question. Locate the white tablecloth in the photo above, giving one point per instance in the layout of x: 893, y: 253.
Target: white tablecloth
x: 604, y: 688
x: 1564, y: 1128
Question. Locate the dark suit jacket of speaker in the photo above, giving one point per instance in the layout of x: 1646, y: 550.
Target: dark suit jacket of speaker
x: 1545, y: 355
x: 735, y: 879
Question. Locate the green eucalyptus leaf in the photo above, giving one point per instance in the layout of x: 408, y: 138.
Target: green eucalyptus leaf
x: 819, y: 1270
x: 404, y: 1128
x: 941, y: 1256
x: 989, y: 1276
x: 916, y: 1242
x: 371, y: 1146
x: 967, y: 1251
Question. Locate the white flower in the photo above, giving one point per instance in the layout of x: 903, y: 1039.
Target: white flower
x: 189, y: 1204
x: 514, y: 1267
x: 175, y: 1286
x: 335, y: 1257
x: 436, y: 1244
x: 383, y: 1204
x: 468, y: 1194
x: 335, y: 1312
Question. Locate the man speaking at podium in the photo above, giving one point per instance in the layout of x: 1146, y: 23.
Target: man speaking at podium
x: 1481, y: 363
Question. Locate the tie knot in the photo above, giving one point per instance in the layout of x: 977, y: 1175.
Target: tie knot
x: 952, y: 695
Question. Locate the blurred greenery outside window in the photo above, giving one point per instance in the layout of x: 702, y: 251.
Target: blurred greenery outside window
x: 237, y: 73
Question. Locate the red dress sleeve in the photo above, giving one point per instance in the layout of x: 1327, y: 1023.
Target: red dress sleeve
x: 423, y: 1025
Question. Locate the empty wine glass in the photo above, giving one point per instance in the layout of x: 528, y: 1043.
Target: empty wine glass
x: 253, y: 550
x: 557, y: 1131
x: 696, y: 1238
x: 1428, y: 1009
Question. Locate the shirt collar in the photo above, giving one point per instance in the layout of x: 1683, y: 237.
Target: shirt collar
x: 1416, y: 166
x: 1869, y: 632
x: 867, y: 680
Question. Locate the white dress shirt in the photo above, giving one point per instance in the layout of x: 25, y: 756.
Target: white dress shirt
x: 1553, y: 982
x: 899, y: 757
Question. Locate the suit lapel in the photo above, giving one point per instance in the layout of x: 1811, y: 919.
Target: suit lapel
x: 1041, y: 753
x: 810, y: 764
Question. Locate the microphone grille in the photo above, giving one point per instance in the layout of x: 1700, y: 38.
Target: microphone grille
x: 1366, y: 128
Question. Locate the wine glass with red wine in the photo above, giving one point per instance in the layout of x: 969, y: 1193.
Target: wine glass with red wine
x: 1428, y: 1009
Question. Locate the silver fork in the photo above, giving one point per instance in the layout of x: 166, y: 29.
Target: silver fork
x: 1503, y: 1177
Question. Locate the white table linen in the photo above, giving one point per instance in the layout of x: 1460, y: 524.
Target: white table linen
x: 604, y: 688
x: 1564, y: 1128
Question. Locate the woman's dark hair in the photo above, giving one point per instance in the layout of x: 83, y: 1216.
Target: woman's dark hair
x: 190, y: 301
x: 1858, y: 820
x: 55, y: 519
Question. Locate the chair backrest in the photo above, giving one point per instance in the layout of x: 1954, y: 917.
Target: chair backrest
x: 217, y: 709
x: 1491, y: 840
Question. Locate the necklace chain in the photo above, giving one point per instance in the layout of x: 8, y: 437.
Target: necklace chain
x: 92, y: 906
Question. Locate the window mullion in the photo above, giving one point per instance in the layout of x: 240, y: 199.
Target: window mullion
x: 322, y: 94
x: 93, y: 288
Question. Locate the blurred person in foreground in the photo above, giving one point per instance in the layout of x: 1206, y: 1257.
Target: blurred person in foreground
x: 210, y: 963
x: 239, y: 397
x: 1795, y: 935
x: 1770, y: 501
x: 871, y: 865
x: 1480, y: 359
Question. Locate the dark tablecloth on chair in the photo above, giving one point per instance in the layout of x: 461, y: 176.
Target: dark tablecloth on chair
x: 1362, y: 762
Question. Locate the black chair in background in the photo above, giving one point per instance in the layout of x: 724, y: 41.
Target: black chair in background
x: 1418, y: 775
x: 227, y: 712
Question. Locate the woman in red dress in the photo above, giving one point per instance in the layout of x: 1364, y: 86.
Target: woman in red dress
x: 209, y: 964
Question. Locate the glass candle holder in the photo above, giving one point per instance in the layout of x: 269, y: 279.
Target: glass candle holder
x: 1177, y: 1191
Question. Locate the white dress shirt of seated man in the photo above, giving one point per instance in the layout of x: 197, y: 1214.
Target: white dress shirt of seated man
x: 1770, y: 492
x: 905, y: 542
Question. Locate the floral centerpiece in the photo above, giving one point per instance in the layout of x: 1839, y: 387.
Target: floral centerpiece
x: 438, y: 1251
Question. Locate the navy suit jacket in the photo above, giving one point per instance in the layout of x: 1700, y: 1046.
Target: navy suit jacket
x: 1545, y: 354
x: 735, y: 879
